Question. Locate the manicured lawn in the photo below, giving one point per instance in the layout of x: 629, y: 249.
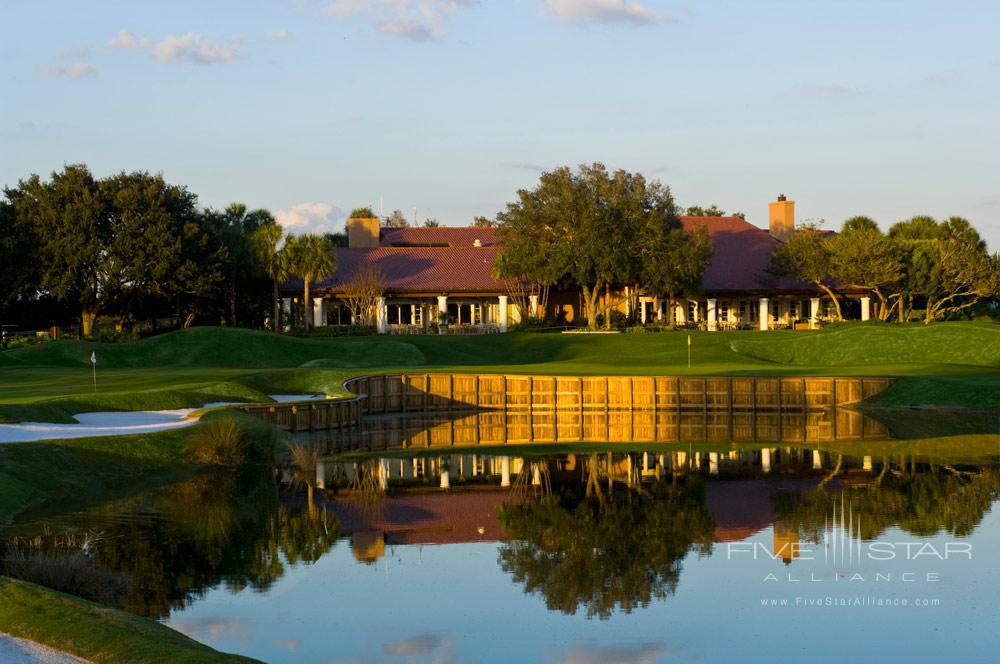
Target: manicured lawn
x: 953, y: 364
x: 95, y: 632
x: 84, y: 470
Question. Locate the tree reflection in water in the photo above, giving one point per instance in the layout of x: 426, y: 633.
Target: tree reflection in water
x: 921, y: 499
x: 225, y: 526
x: 600, y: 551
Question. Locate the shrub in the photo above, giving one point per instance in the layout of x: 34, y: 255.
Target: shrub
x: 22, y: 341
x: 218, y: 441
x: 67, y: 570
x: 362, y: 213
x: 332, y: 331
x: 618, y: 320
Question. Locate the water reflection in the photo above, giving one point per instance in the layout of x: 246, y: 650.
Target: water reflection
x: 599, y: 551
x: 590, y: 527
x: 167, y: 546
x: 509, y: 427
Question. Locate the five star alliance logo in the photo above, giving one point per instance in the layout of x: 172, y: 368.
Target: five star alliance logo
x: 842, y: 543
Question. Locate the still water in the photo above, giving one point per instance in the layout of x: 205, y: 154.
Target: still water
x: 802, y: 539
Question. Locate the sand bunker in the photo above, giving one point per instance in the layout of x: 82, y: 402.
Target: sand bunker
x: 120, y: 423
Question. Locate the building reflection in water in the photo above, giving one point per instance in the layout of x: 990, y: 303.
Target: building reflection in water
x: 491, y: 428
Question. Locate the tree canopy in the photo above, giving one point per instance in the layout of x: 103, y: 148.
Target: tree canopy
x: 310, y: 258
x: 588, y: 228
x: 396, y: 220
x: 129, y: 245
x: 943, y: 267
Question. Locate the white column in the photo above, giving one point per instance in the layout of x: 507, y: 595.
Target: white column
x: 682, y: 459
x: 866, y: 308
x: 442, y: 309
x: 659, y: 309
x: 536, y: 474
x: 682, y: 313
x: 813, y: 312
x: 503, y: 313
x: 765, y: 459
x: 817, y: 460
x: 413, y: 314
x: 319, y: 320
x: 764, y: 317
x: 504, y: 471
x: 445, y: 482
x: 320, y: 474
x: 713, y: 320
x: 866, y: 463
x: 286, y: 312
x: 533, y: 306
x: 382, y: 316
x: 642, y: 311
x: 713, y: 463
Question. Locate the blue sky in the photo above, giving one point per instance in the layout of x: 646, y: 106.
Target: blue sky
x: 885, y: 108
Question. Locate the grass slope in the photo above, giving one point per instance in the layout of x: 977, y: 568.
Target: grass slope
x: 83, y: 470
x: 95, y: 632
x: 945, y: 364
x: 970, y: 344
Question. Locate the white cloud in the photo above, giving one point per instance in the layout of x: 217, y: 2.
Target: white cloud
x: 278, y: 35
x: 78, y: 70
x: 406, y: 28
x: 415, y: 20
x: 603, y: 11
x: 125, y: 40
x: 311, y: 217
x: 191, y: 47
x: 347, y: 7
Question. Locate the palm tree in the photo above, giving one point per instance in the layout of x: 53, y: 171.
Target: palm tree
x: 310, y: 257
x: 265, y: 244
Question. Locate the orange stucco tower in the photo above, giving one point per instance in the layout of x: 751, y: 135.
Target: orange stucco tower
x: 781, y: 218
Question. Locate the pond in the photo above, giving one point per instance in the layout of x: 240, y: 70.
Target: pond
x: 694, y: 538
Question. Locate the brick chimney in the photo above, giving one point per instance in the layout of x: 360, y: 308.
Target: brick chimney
x: 781, y: 218
x: 362, y: 233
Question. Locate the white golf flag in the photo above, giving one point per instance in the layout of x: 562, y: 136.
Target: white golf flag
x: 93, y: 357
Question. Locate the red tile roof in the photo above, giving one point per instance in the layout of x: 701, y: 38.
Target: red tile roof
x: 427, y: 518
x: 426, y: 269
x: 739, y: 262
x: 740, y: 257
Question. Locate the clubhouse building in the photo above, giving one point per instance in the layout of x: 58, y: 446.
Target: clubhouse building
x: 443, y: 276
